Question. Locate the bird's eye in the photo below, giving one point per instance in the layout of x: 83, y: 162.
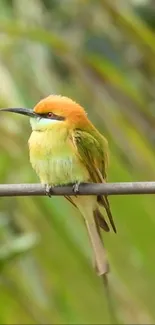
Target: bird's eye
x: 50, y: 115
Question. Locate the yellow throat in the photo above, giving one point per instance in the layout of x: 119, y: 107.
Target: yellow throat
x: 53, y: 155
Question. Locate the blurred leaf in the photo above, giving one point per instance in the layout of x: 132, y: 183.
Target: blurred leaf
x: 17, y: 247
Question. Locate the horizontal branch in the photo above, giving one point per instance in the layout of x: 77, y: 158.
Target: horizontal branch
x: 84, y: 189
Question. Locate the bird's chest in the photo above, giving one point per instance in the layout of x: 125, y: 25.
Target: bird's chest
x: 54, y: 159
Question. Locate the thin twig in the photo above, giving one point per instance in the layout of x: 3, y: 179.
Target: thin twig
x: 112, y: 314
x: 84, y: 189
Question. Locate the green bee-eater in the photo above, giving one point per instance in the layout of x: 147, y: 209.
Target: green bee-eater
x: 66, y: 148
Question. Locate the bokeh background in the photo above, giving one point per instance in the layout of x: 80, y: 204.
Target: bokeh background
x: 101, y: 54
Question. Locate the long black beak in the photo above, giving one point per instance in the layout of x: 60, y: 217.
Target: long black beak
x: 23, y: 111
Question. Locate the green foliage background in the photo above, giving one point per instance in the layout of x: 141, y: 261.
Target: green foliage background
x: 102, y: 54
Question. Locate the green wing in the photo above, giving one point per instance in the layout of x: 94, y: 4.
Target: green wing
x: 93, y: 150
x: 94, y: 153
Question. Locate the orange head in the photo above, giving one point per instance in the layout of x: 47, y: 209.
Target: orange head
x: 52, y: 110
x: 57, y: 108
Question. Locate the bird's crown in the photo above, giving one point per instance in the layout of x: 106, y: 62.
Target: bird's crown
x: 59, y: 105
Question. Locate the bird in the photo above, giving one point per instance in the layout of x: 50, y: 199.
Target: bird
x: 66, y: 148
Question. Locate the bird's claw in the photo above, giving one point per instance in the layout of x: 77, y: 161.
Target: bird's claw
x: 76, y: 187
x: 48, y: 190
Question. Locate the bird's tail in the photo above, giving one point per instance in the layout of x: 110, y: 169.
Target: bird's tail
x: 94, y: 220
x: 93, y: 229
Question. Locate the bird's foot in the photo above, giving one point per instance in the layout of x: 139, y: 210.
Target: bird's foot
x: 48, y: 190
x: 76, y: 187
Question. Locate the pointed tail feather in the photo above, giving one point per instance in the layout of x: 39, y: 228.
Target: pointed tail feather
x: 100, y: 221
x: 97, y: 244
x: 87, y: 206
x: 103, y: 200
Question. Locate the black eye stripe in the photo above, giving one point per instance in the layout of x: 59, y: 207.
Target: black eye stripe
x: 52, y: 117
